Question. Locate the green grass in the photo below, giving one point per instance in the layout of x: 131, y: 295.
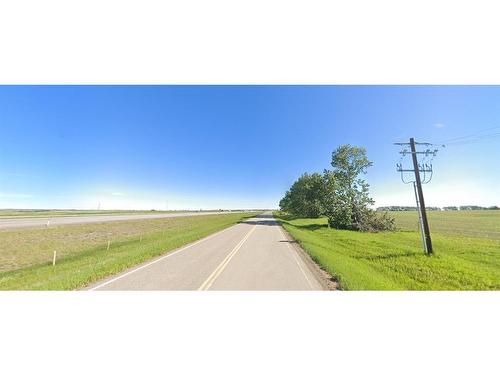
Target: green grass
x: 83, y: 258
x: 481, y: 224
x: 467, y: 252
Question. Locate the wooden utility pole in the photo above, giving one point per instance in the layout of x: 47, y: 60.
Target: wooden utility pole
x: 420, y: 193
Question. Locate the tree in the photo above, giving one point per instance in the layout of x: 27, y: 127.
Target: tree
x: 340, y: 194
x: 352, y: 192
x: 305, y: 197
x: 285, y: 202
x: 335, y: 204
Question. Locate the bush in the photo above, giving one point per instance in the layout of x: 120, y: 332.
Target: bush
x: 339, y: 216
x: 372, y: 221
x: 368, y: 221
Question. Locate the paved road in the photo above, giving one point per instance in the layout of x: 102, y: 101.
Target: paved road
x: 253, y: 255
x: 12, y: 223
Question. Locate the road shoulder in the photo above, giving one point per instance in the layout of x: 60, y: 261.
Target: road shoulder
x: 326, y: 280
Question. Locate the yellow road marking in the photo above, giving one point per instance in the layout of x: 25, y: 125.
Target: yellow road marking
x: 182, y: 249
x: 211, y: 279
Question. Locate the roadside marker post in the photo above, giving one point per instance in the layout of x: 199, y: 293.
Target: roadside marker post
x: 48, y: 223
x: 54, y: 259
x: 109, y: 243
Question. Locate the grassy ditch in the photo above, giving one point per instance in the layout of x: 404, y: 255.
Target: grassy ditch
x: 82, y: 251
x: 395, y: 260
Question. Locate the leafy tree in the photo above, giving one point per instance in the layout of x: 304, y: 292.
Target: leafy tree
x: 340, y: 194
x: 335, y: 204
x: 305, y: 197
x: 286, y: 202
x: 353, y: 199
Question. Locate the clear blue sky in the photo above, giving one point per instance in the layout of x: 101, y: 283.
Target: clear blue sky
x: 191, y: 147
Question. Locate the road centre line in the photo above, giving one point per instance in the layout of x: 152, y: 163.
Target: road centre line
x: 213, y: 277
x: 159, y: 259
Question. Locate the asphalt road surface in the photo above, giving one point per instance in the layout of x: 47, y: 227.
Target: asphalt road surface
x: 253, y: 255
x: 13, y: 223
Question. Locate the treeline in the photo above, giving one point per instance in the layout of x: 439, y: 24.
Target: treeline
x: 469, y: 208
x: 339, y: 194
x: 447, y: 208
x: 406, y: 208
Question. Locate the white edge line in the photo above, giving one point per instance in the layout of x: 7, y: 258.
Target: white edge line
x: 303, y: 272
x: 295, y: 258
x: 159, y: 259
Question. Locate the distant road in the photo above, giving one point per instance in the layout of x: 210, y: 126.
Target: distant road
x: 12, y: 223
x: 253, y: 255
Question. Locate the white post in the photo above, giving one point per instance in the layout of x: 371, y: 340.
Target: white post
x: 48, y: 223
x: 54, y: 259
x: 109, y: 243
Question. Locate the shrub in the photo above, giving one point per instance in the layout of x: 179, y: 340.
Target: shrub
x: 372, y: 221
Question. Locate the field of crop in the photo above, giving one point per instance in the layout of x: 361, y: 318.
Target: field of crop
x: 82, y: 251
x: 466, y: 245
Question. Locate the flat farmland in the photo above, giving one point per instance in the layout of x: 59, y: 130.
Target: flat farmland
x: 480, y: 224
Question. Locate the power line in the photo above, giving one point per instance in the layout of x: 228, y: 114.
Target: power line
x: 426, y: 169
x: 469, y: 136
x: 476, y: 139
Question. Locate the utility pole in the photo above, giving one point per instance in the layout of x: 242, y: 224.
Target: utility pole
x: 420, y: 192
x: 417, y: 185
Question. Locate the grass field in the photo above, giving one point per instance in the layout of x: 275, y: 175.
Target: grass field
x: 53, y: 213
x: 480, y: 224
x: 83, y: 258
x: 466, y: 244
